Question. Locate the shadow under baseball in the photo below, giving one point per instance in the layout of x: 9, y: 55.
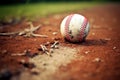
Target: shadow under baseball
x: 95, y: 42
x: 90, y: 42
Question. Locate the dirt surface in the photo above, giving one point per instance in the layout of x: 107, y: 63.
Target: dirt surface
x: 98, y: 58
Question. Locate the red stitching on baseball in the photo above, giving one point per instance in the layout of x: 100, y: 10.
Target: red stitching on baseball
x: 67, y: 36
x: 83, y: 26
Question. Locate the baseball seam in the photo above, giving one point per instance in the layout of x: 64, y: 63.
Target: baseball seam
x: 83, y: 26
x: 67, y: 27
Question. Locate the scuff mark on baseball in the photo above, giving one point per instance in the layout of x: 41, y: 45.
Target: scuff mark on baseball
x: 74, y: 28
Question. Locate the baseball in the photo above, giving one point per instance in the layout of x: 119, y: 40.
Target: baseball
x: 74, y: 28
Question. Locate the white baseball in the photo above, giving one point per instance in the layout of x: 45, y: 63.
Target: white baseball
x: 74, y: 28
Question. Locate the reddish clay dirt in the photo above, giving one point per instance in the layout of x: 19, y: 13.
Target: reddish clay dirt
x: 98, y: 58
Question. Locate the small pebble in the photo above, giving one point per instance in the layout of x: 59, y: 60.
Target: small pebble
x: 27, y: 51
x: 56, y: 47
x: 22, y: 61
x: 114, y: 47
x: 97, y: 60
x: 86, y: 52
x: 47, y: 43
x: 54, y: 33
x: 4, y: 52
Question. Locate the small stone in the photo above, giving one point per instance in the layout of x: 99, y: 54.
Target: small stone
x: 4, y: 52
x: 47, y: 43
x: 56, y: 47
x: 54, y: 33
x: 114, y: 47
x: 97, y: 60
x: 22, y: 61
x: 86, y: 52
x: 27, y: 51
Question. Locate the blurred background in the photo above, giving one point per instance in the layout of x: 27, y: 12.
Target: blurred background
x: 13, y: 11
x: 34, y: 1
